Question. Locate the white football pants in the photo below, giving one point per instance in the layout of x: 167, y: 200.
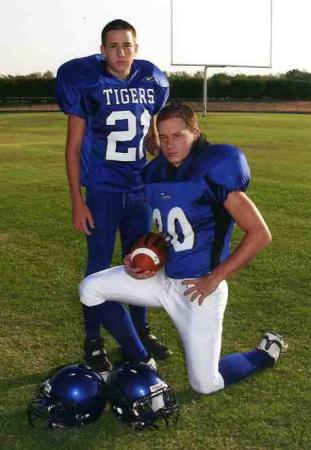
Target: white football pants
x: 200, y: 327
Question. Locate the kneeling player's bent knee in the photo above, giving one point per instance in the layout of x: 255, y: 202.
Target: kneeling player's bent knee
x: 89, y: 293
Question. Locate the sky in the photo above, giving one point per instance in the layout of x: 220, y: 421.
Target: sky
x: 39, y: 35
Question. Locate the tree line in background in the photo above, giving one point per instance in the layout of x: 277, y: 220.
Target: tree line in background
x: 293, y: 85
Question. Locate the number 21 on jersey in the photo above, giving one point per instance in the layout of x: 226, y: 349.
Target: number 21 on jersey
x: 127, y: 135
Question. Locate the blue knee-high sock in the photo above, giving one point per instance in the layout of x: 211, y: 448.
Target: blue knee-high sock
x: 117, y: 320
x: 139, y: 316
x: 92, y: 322
x: 240, y: 365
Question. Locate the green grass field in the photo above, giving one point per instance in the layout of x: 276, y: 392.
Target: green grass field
x: 42, y: 262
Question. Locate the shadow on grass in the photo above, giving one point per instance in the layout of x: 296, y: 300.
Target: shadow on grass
x: 17, y: 433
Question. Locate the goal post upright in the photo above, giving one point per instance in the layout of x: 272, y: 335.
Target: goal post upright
x: 212, y: 33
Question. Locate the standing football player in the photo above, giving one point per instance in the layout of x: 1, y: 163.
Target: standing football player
x: 197, y: 193
x: 111, y: 100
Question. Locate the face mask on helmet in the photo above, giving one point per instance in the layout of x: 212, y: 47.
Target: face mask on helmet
x: 73, y: 396
x: 139, y: 396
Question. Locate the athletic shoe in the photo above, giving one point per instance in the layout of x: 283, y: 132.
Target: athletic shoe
x: 152, y: 344
x: 124, y: 360
x: 95, y: 356
x: 273, y: 344
x: 151, y: 363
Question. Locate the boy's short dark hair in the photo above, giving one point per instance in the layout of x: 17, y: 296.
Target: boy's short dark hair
x: 117, y: 24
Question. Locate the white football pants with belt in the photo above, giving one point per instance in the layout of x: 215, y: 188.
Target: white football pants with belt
x: 200, y: 327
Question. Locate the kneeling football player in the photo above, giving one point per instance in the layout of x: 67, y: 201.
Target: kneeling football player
x: 197, y: 192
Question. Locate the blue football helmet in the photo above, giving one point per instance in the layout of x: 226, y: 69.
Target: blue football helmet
x: 74, y: 396
x: 139, y: 396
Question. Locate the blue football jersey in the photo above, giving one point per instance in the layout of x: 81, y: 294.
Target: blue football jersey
x: 187, y: 204
x: 117, y: 114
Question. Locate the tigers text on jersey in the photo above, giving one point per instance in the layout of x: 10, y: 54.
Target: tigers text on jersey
x: 117, y: 114
x: 187, y: 204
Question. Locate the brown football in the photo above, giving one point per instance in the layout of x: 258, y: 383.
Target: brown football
x: 149, y: 252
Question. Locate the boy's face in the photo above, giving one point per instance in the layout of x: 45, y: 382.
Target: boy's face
x: 119, y: 49
x: 176, y: 139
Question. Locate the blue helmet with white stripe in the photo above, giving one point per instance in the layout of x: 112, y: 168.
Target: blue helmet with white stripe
x: 139, y: 396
